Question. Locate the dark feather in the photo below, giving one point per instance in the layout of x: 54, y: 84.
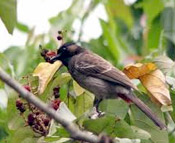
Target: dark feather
x: 93, y: 65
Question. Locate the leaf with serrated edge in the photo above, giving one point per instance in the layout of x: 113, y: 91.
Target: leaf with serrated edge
x: 45, y: 72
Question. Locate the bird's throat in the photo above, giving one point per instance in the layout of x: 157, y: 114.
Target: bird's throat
x: 65, y: 61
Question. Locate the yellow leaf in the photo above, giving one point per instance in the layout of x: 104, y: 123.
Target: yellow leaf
x: 139, y: 69
x: 45, y: 72
x: 77, y: 88
x: 155, y: 83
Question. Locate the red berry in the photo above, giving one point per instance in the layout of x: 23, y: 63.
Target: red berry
x: 55, y: 106
x: 27, y: 87
x: 56, y: 103
x: 51, y: 54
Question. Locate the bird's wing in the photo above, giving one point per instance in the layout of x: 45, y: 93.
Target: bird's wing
x: 93, y: 65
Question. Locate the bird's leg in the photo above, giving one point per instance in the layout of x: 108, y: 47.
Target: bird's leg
x: 95, y: 113
x: 96, y: 105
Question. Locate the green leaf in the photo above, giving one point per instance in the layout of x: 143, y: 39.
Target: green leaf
x: 118, y: 9
x: 22, y: 64
x: 111, y: 126
x: 3, y: 133
x: 12, y: 122
x: 172, y: 93
x: 113, y: 43
x: 152, y: 8
x: 77, y: 88
x: 21, y: 134
x: 61, y: 132
x: 22, y: 27
x: 141, y: 134
x: 154, y: 34
x: 8, y: 14
x: 59, y: 80
x: 52, y: 139
x: 4, y: 99
x: 5, y: 64
x: 65, y: 19
x: 168, y: 22
x: 98, y: 46
x: 80, y: 104
x: 116, y: 107
x: 139, y: 119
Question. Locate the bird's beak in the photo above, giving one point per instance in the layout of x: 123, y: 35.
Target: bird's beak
x: 57, y: 57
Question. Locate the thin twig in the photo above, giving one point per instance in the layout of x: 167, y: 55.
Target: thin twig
x: 74, y: 131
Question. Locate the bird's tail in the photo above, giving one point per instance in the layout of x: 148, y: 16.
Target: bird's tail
x: 144, y: 108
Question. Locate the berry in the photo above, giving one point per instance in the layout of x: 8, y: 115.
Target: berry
x: 44, y: 52
x: 56, y: 103
x: 47, y: 59
x: 37, y: 113
x: 46, y: 121
x: 27, y: 87
x: 51, y: 54
x: 59, y: 32
x: 31, y: 119
x: 59, y: 38
x: 20, y: 106
x: 56, y: 92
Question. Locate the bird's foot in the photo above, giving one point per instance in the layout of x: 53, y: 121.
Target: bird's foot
x: 100, y: 114
x: 94, y: 114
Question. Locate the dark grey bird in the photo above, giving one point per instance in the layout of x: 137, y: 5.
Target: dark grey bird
x: 98, y: 76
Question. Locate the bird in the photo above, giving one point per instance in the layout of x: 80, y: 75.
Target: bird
x: 100, y: 77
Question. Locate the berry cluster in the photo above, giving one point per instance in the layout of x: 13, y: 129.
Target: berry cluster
x: 56, y: 102
x: 60, y: 35
x: 46, y: 54
x: 35, y: 118
x: 38, y: 121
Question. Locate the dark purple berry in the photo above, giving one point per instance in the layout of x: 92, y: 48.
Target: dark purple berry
x: 37, y: 113
x: 46, y: 121
x: 31, y: 119
x: 20, y: 106
x: 56, y: 92
x: 44, y: 52
x: 59, y: 38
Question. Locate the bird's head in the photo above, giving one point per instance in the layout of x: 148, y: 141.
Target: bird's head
x: 66, y: 52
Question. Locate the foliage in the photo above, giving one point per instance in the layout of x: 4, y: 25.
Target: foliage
x: 8, y: 14
x: 141, y: 33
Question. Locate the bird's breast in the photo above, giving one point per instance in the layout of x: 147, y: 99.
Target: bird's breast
x: 97, y: 86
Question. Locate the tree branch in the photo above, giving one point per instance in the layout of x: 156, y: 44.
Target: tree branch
x: 74, y: 131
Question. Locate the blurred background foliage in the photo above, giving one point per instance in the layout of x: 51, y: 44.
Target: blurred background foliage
x: 140, y: 32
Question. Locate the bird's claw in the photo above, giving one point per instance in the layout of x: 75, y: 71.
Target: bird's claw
x: 94, y: 114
